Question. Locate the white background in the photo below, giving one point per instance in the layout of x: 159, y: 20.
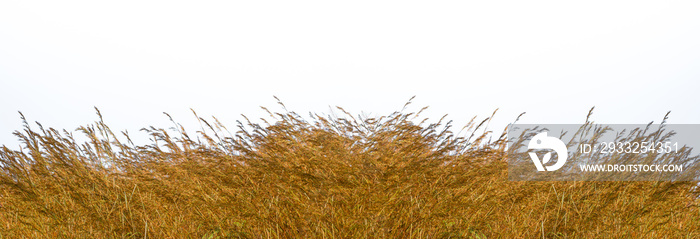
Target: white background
x: 633, y: 60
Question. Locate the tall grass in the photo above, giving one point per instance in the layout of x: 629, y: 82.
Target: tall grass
x: 313, y: 177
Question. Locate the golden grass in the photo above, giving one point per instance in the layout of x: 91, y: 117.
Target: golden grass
x: 321, y: 177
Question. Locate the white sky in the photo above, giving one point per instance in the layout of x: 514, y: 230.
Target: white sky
x: 633, y: 60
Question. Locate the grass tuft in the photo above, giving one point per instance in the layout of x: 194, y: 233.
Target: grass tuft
x: 317, y: 177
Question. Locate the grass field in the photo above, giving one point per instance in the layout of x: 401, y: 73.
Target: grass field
x: 313, y: 177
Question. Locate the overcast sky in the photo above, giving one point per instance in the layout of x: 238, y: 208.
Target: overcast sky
x: 633, y: 60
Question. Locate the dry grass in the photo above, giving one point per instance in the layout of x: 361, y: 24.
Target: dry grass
x: 319, y: 177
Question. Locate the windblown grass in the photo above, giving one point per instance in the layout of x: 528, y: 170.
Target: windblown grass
x: 313, y: 177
